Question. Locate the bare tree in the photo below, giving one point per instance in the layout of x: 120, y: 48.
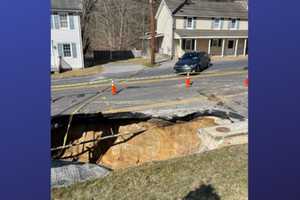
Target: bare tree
x: 87, y: 11
x: 114, y: 24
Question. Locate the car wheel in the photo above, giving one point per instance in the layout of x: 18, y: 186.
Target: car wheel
x: 207, y: 66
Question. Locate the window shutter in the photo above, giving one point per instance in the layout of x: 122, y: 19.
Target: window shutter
x: 212, y: 23
x: 71, y: 21
x: 194, y: 22
x: 51, y: 18
x: 56, y: 21
x: 60, y: 49
x: 229, y: 23
x: 184, y: 22
x: 238, y: 24
x: 74, y: 50
x: 222, y: 22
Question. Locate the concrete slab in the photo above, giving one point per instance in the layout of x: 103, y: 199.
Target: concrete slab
x: 223, y: 135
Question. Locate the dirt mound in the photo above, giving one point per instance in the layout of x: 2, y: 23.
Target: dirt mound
x: 152, y: 140
x: 157, y: 143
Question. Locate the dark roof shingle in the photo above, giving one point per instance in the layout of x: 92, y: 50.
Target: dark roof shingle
x: 209, y: 8
x: 66, y: 5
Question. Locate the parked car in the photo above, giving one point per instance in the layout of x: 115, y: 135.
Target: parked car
x: 192, y: 62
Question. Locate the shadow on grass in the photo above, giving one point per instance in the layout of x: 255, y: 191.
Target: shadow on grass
x: 204, y: 192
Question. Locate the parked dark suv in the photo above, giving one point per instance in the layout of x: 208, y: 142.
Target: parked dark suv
x: 192, y: 62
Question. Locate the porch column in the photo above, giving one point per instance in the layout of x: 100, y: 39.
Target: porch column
x: 236, y: 47
x: 209, y: 44
x: 195, y: 48
x: 223, y: 47
x: 245, y: 47
x: 180, y: 48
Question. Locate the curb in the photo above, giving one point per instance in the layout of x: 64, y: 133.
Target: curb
x: 149, y: 78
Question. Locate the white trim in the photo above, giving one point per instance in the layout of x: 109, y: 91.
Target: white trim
x: 80, y: 47
x: 223, y: 47
x: 162, y: 3
x: 230, y: 21
x: 209, y: 44
x: 63, y: 51
x: 232, y: 44
x: 236, y: 46
x: 220, y: 22
x: 191, y: 45
x: 181, y: 51
x: 187, y: 22
x: 211, y: 37
x: 68, y: 22
x: 245, y: 46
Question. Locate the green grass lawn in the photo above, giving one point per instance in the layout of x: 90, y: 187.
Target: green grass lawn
x: 219, y: 174
x: 78, y: 72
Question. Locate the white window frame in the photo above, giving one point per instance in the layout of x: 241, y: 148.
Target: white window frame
x: 219, y: 23
x: 192, y: 23
x: 67, y: 21
x: 235, y: 24
x: 63, y: 49
x: 216, y: 43
x: 233, y: 43
x: 191, y: 44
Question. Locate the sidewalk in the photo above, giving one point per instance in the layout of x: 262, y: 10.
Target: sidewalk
x: 228, y: 58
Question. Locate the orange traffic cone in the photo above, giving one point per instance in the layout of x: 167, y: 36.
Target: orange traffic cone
x: 188, y: 81
x: 246, y: 82
x: 113, y: 88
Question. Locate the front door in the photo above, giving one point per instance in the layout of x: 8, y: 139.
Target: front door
x: 230, y: 47
x: 188, y: 45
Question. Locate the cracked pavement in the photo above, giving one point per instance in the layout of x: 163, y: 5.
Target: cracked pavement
x: 222, y: 90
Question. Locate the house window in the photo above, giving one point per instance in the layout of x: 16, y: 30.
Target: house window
x: 230, y: 44
x: 216, y: 23
x: 233, y: 23
x: 188, y: 44
x: 63, y: 21
x: 189, y: 23
x: 67, y: 50
x: 216, y: 43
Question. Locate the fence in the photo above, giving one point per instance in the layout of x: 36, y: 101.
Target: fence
x: 101, y: 57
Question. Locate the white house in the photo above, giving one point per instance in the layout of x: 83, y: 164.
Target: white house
x: 66, y: 41
x: 218, y: 27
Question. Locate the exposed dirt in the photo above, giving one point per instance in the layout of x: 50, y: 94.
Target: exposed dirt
x: 153, y: 140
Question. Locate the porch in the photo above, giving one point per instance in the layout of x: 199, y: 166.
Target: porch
x: 215, y: 43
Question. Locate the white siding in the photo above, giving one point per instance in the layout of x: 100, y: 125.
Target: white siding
x: 164, y: 25
x: 67, y: 36
x: 205, y: 24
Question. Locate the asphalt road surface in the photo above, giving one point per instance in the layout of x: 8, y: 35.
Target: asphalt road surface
x: 221, y: 89
x: 164, y: 69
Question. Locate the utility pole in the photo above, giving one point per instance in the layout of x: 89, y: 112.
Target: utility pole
x: 152, y: 33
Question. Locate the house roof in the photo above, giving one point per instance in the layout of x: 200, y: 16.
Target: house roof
x: 184, y: 33
x: 209, y: 8
x: 66, y: 5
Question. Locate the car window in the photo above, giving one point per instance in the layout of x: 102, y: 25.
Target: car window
x: 202, y: 54
x: 187, y: 56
